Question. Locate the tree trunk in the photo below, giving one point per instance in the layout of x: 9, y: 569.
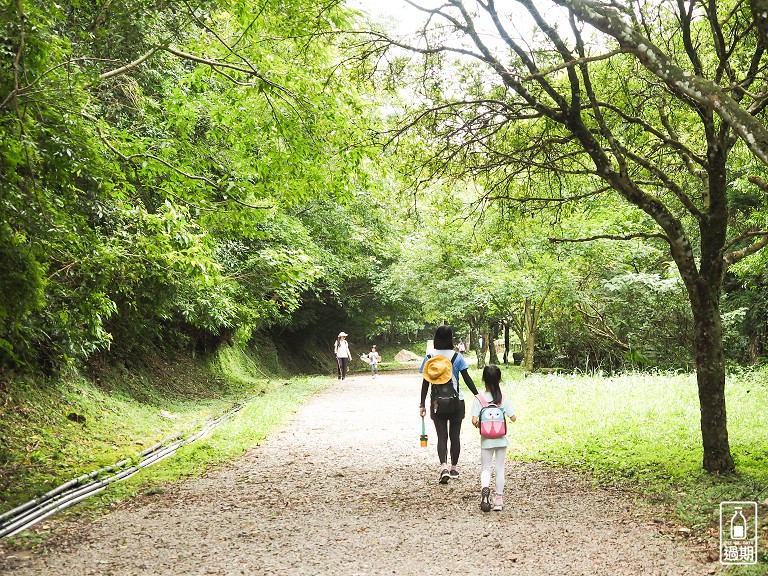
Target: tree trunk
x: 474, y: 342
x: 529, y: 343
x: 483, y: 349
x: 755, y: 347
x: 517, y: 325
x: 494, y: 334
x: 759, y: 10
x: 710, y: 376
x: 506, y: 342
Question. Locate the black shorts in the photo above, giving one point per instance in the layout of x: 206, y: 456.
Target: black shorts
x: 458, y: 417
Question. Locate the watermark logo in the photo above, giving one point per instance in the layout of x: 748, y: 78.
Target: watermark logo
x: 738, y: 533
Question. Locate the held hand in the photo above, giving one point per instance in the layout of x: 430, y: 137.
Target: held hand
x: 513, y: 418
x: 422, y: 411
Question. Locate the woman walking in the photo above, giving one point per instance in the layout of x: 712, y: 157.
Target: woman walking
x: 441, y: 369
x: 341, y: 349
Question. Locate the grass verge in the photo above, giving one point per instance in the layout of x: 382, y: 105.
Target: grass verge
x: 126, y: 412
x: 641, y: 431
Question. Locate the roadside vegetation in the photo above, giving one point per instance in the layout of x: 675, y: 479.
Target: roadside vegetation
x: 639, y: 431
x: 56, y: 430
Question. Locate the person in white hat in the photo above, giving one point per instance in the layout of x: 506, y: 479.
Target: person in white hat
x: 441, y: 369
x: 341, y: 348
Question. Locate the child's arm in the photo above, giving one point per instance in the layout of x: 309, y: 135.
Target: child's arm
x: 509, y: 410
x: 475, y: 411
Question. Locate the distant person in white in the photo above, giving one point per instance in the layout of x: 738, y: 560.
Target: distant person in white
x: 341, y: 348
x: 374, y: 359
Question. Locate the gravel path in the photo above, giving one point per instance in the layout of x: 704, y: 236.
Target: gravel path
x: 345, y: 489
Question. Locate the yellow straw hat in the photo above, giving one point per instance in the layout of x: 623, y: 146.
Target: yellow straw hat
x: 438, y: 370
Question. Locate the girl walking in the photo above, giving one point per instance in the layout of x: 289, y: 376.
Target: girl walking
x: 491, y: 448
x: 374, y: 359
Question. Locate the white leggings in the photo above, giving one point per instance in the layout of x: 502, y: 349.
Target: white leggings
x: 486, y: 458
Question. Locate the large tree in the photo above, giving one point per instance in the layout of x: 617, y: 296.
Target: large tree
x: 662, y: 108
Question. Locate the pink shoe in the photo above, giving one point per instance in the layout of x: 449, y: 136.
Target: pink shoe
x: 498, y: 503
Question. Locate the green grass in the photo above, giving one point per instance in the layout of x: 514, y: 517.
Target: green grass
x: 40, y: 448
x: 641, y: 431
x: 261, y: 416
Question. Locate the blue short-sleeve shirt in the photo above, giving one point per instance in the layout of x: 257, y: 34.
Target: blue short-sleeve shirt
x: 458, y: 365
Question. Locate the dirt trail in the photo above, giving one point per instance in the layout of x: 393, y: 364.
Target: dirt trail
x: 345, y: 489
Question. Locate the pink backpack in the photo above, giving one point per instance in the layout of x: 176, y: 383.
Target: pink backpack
x: 493, y: 421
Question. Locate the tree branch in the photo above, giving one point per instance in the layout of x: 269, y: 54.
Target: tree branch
x: 216, y: 64
x: 131, y: 157
x: 610, y: 237
x: 20, y: 51
x: 525, y: 199
x: 100, y: 16
x: 673, y: 141
x: 669, y: 184
x: 130, y: 65
x: 603, y: 330
x: 571, y: 63
x: 759, y: 182
x: 737, y: 255
x: 701, y: 90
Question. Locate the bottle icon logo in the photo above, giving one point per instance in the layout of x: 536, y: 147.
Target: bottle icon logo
x: 738, y: 533
x: 738, y: 525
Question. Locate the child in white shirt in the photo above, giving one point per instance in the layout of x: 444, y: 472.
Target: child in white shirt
x: 374, y: 359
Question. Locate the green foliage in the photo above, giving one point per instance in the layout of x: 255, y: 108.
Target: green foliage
x: 160, y: 205
x: 21, y: 293
x: 180, y: 203
x: 600, y: 304
x: 745, y: 307
x: 602, y: 148
x: 647, y: 313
